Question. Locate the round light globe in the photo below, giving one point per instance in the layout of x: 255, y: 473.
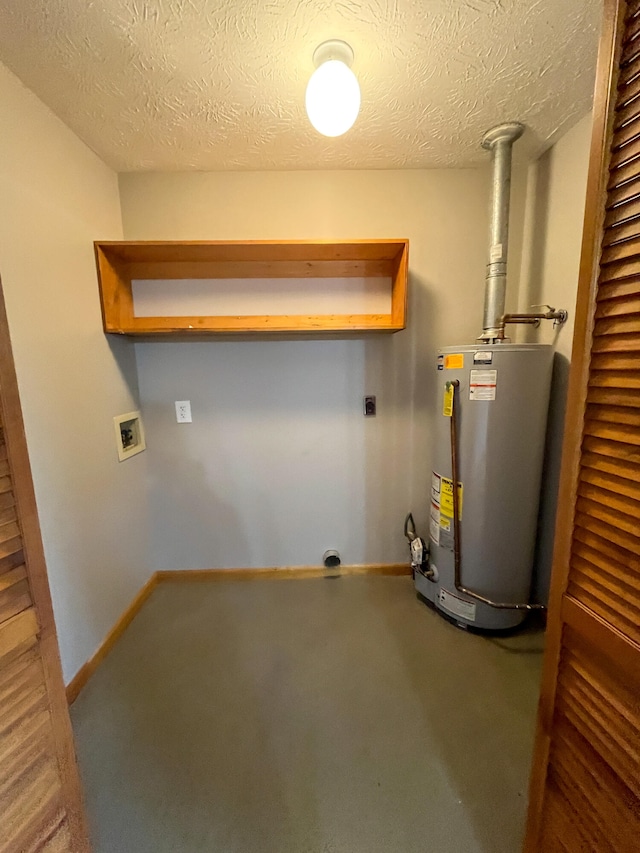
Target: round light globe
x: 333, y: 98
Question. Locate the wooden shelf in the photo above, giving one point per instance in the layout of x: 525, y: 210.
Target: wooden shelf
x: 165, y: 269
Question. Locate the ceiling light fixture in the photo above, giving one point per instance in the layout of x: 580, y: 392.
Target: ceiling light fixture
x: 333, y: 93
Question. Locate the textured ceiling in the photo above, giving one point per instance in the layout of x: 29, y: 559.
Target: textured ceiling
x: 198, y: 84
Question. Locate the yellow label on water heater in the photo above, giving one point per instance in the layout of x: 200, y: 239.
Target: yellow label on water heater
x: 447, y: 400
x: 455, y: 361
x: 446, y: 497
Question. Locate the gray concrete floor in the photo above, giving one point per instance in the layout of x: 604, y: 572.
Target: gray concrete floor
x: 306, y: 716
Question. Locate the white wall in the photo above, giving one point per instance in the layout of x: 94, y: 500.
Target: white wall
x: 56, y: 198
x: 279, y: 463
x: 556, y: 191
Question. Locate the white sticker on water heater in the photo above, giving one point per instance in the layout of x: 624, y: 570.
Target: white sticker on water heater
x: 434, y: 531
x: 435, y: 487
x: 483, y: 384
x: 434, y: 523
x: 457, y: 606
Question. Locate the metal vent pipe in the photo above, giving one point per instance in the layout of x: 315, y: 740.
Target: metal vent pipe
x: 499, y: 140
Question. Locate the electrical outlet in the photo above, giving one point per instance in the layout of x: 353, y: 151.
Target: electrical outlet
x: 183, y: 411
x: 369, y: 406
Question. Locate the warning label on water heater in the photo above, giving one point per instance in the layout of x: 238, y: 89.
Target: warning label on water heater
x: 447, y: 400
x: 446, y: 500
x: 483, y: 384
x: 457, y: 606
x: 441, y: 514
x: 455, y: 361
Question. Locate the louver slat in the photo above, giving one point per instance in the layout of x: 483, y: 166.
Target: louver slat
x: 617, y: 289
x: 628, y: 75
x: 623, y: 469
x: 632, y: 12
x: 631, y: 151
x: 628, y: 190
x: 629, y: 126
x: 620, y: 271
x: 625, y: 251
x: 626, y: 171
x: 633, y: 31
x: 613, y: 414
x: 630, y: 53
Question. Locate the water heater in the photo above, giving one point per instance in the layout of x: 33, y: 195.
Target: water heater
x: 489, y: 435
x: 500, y: 406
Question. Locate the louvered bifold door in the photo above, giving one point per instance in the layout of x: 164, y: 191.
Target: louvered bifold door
x: 585, y: 787
x: 40, y: 803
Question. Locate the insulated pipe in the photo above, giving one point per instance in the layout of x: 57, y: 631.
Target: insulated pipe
x: 499, y: 140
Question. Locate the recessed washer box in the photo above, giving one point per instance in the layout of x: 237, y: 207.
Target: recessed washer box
x: 129, y: 435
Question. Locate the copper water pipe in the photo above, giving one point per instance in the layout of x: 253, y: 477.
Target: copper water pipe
x: 531, y: 319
